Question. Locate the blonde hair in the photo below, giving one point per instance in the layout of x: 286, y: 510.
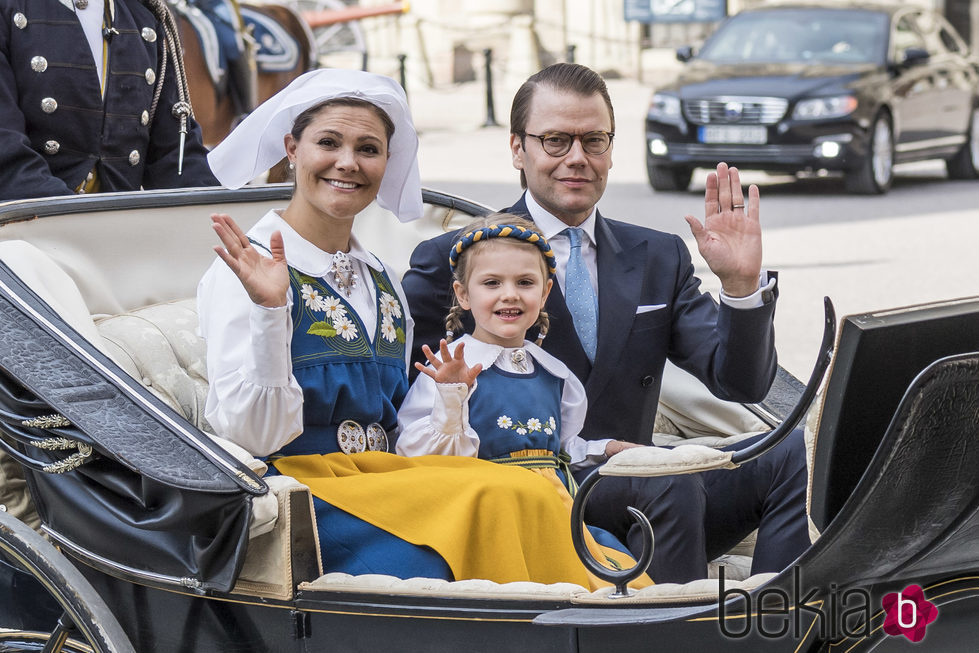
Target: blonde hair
x: 461, y: 270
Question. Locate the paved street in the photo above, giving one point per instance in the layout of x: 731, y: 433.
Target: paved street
x: 913, y: 245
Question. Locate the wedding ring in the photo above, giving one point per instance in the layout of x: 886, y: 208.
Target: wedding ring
x: 738, y: 206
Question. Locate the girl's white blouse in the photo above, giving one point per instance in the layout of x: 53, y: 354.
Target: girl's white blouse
x: 434, y: 418
x: 253, y: 398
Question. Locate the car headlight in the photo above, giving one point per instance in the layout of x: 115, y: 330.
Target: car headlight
x: 822, y: 108
x: 665, y: 108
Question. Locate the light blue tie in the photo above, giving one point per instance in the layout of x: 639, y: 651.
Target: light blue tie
x: 580, y: 296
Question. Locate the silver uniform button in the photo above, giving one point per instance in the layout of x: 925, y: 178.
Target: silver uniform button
x: 134, y: 158
x: 148, y: 34
x: 150, y: 76
x: 52, y: 147
x: 144, y: 118
x: 20, y: 20
x: 49, y: 105
x: 39, y: 64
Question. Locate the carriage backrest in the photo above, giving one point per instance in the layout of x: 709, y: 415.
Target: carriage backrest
x: 129, y: 250
x: 877, y: 357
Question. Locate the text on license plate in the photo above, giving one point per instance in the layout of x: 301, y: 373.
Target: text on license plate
x: 754, y: 134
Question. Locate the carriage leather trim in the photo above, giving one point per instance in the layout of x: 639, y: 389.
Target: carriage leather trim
x: 122, y: 505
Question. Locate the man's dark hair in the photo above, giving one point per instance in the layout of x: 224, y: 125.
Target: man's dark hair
x: 567, y: 77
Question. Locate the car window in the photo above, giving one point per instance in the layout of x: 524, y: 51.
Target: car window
x: 799, y: 36
x: 951, y: 43
x: 906, y: 36
x: 929, y: 26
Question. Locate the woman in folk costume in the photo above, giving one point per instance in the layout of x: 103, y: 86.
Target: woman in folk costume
x: 500, y: 397
x: 307, y: 342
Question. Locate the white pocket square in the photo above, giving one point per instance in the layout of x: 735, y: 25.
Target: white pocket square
x: 649, y: 308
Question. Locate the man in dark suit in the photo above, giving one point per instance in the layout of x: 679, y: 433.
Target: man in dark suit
x: 91, y: 94
x: 649, y: 308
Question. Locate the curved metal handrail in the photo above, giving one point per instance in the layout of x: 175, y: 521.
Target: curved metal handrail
x: 622, y: 578
x: 782, y: 431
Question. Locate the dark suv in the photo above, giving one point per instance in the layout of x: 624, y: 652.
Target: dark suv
x: 796, y: 88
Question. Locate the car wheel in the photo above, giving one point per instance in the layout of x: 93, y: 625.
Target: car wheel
x: 875, y: 173
x: 965, y: 163
x: 668, y: 178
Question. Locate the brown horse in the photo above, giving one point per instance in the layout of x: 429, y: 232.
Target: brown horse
x: 214, y: 108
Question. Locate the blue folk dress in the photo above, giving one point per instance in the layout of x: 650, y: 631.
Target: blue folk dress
x: 518, y: 419
x: 347, y: 377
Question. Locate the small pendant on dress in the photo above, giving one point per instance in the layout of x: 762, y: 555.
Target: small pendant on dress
x: 519, y: 359
x: 81, y: 4
x: 343, y: 273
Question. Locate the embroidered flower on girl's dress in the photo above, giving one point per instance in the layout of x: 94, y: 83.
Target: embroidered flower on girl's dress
x: 390, y: 307
x: 344, y: 327
x: 531, y: 426
x: 312, y: 298
x: 388, y: 330
x: 333, y: 308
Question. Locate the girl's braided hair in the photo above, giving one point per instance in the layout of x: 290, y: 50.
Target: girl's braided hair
x: 517, y: 230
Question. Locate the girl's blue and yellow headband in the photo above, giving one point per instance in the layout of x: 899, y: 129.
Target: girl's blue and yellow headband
x: 504, y: 231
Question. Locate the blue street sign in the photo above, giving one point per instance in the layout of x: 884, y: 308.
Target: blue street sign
x: 675, y: 11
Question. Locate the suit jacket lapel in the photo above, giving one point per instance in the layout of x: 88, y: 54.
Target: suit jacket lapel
x: 620, y: 275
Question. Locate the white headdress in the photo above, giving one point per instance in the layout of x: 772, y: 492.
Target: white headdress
x: 257, y: 143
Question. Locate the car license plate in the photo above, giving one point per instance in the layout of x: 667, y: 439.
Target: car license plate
x: 753, y: 134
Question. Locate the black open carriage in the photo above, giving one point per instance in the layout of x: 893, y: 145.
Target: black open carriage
x: 158, y: 538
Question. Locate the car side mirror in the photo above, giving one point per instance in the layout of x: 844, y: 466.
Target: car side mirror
x: 684, y: 53
x: 915, y: 57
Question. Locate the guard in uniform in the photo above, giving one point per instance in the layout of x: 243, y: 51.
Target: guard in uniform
x: 70, y: 124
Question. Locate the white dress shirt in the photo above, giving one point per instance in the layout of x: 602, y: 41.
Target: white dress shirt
x: 253, y: 398
x: 91, y: 20
x: 434, y: 418
x: 550, y: 226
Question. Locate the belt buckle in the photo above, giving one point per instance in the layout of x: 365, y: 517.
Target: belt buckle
x: 377, y: 437
x: 351, y: 437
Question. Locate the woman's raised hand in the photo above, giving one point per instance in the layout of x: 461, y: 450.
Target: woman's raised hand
x: 266, y: 280
x: 449, y: 369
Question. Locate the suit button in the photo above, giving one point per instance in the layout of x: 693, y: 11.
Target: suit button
x: 148, y: 34
x: 646, y: 381
x: 150, y: 76
x: 52, y: 147
x: 134, y: 158
x: 49, y: 105
x: 39, y: 64
x: 20, y: 20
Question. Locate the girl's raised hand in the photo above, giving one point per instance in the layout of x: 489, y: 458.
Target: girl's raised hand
x: 266, y: 280
x: 449, y: 369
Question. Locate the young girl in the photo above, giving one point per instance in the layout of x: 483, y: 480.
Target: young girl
x: 499, y: 397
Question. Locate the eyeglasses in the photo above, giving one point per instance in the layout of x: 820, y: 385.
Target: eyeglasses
x: 559, y: 143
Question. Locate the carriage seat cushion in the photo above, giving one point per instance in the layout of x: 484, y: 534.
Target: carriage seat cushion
x: 159, y: 346
x: 659, y: 594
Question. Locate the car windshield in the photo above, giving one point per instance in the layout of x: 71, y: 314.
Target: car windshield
x: 800, y: 36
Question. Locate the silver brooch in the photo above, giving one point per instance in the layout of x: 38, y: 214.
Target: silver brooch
x: 343, y: 273
x: 81, y: 4
x: 519, y: 359
x: 350, y: 437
